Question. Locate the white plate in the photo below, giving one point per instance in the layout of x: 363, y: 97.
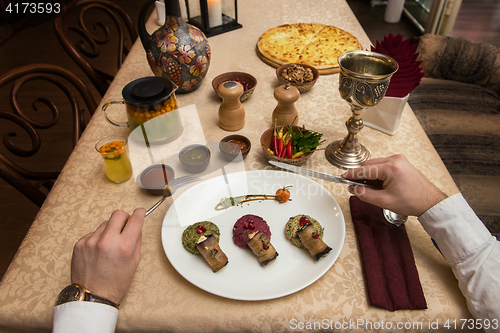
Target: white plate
x: 243, y: 278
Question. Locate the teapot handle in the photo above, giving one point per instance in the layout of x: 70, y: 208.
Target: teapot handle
x: 116, y: 123
x: 143, y: 33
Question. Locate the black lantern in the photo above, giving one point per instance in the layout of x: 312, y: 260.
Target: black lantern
x: 213, y: 17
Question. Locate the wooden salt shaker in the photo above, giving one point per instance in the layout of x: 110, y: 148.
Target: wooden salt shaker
x: 286, y: 96
x: 231, y: 111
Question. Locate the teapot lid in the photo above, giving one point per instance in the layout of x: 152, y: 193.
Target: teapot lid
x: 148, y: 90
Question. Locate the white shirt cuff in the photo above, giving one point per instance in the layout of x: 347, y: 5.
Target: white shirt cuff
x: 455, y: 227
x: 80, y: 317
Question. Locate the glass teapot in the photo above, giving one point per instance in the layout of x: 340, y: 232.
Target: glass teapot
x: 150, y: 103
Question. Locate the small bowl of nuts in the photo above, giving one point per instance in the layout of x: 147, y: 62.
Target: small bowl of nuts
x: 301, y: 76
x: 246, y: 80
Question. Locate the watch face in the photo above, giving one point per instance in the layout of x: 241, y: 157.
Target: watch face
x: 69, y: 294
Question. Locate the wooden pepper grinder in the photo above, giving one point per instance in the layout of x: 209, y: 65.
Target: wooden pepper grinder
x: 231, y: 112
x: 285, y: 112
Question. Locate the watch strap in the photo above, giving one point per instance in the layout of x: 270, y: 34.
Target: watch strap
x: 75, y: 292
x: 99, y: 299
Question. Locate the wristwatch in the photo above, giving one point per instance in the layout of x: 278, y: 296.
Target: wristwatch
x: 75, y: 293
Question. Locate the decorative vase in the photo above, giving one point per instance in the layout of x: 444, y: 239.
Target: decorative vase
x: 177, y: 50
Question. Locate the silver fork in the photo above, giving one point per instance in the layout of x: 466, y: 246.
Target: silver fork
x: 171, y: 187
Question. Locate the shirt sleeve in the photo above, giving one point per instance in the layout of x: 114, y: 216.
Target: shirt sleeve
x: 472, y: 252
x: 84, y: 317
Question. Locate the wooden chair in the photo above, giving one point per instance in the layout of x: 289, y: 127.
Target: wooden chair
x: 25, y: 126
x: 85, y: 44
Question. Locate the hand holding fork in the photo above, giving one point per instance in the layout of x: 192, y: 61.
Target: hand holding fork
x: 171, y: 187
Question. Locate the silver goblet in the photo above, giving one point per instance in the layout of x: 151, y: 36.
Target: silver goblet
x: 364, y: 79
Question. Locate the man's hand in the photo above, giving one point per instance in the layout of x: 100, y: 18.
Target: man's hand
x: 105, y: 260
x: 405, y: 190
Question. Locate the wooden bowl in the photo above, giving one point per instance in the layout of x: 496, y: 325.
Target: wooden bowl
x: 237, y: 76
x: 266, y: 142
x: 302, y: 87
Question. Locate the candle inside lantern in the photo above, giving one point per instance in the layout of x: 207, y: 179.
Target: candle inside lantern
x: 214, y: 13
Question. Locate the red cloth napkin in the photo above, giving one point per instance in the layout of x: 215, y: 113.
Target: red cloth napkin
x: 388, y: 263
x: 409, y: 73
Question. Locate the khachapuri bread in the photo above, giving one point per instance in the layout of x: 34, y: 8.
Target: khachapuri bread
x: 192, y: 234
x: 295, y: 223
x: 246, y: 225
x: 313, y: 44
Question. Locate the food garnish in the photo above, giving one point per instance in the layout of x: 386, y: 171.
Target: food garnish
x: 226, y: 203
x: 200, y: 229
x: 283, y: 194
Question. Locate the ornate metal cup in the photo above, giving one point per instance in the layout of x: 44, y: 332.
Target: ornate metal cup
x: 364, y: 79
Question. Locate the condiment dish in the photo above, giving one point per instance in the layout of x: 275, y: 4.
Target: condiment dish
x: 155, y: 177
x: 194, y: 158
x: 232, y: 145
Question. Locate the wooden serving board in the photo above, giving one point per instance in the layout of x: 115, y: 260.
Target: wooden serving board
x: 326, y: 71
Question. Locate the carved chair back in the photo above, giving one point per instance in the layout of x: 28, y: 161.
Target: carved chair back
x: 97, y: 24
x: 46, y: 104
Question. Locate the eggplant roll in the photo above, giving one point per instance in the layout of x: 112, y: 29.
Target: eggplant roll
x: 311, y: 240
x: 262, y: 248
x: 210, y: 250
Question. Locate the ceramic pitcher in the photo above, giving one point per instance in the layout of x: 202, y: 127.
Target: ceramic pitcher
x: 177, y: 51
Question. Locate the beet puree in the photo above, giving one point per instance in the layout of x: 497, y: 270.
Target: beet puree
x: 248, y: 224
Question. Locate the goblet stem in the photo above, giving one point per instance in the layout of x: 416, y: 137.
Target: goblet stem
x: 349, y: 152
x: 354, y: 125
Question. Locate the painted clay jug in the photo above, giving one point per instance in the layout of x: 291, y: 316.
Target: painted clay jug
x: 177, y: 51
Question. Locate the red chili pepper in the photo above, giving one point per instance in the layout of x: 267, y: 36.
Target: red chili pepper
x: 281, y: 148
x: 289, y: 149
